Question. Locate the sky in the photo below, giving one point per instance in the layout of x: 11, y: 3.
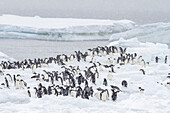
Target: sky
x: 139, y: 11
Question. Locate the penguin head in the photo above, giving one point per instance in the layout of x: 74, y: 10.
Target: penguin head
x: 124, y: 83
x: 99, y: 89
x: 3, y: 84
x: 35, y: 88
x: 18, y: 75
x: 115, y: 91
x: 141, y: 89
x: 105, y: 80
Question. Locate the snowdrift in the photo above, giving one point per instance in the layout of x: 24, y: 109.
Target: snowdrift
x: 60, y: 28
x: 157, y: 32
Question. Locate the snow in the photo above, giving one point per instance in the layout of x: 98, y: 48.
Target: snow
x: 12, y: 26
x: 147, y: 50
x: 13, y: 98
x: 156, y: 32
x: 4, y: 57
x: 155, y: 97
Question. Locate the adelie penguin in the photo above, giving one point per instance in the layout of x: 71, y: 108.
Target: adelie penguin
x: 17, y: 84
x: 139, y: 59
x: 1, y: 73
x: 44, y: 90
x: 54, y: 91
x: 108, y: 61
x: 157, y: 59
x: 28, y: 92
x: 74, y: 93
x: 110, y: 75
x: 34, y: 67
x: 22, y: 84
x: 14, y: 78
x: 168, y: 85
x: 1, y: 69
x: 105, y: 82
x: 166, y: 59
x: 114, y: 94
x: 6, y: 83
x: 39, y: 93
x: 142, y: 63
x: 123, y: 51
x: 72, y: 57
x: 141, y: 90
x: 104, y: 95
x: 9, y: 77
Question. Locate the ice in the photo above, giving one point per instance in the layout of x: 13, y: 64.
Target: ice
x: 148, y: 50
x: 12, y: 26
x: 154, y: 99
x: 4, y: 57
x: 157, y: 33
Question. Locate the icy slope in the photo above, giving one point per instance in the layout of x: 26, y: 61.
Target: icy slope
x: 154, y: 99
x: 60, y: 28
x: 157, y: 32
x: 4, y: 57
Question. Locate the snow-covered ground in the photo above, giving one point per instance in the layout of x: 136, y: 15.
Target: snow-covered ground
x: 12, y: 26
x: 4, y: 57
x: 156, y: 32
x: 154, y: 99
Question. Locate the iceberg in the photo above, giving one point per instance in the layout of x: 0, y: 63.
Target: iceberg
x: 156, y: 33
x: 12, y: 26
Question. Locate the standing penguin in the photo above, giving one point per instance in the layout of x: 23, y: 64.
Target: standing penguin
x: 104, y: 95
x: 156, y: 59
x: 93, y: 78
x: 168, y: 85
x: 9, y: 77
x: 139, y: 59
x: 6, y: 83
x: 34, y: 67
x: 14, y: 78
x: 1, y: 69
x: 114, y: 61
x: 110, y: 75
x: 1, y: 73
x: 49, y: 90
x: 39, y: 93
x: 114, y: 94
x: 17, y: 84
x: 108, y: 61
x: 142, y: 63
x: 166, y: 59
x: 44, y: 90
x: 28, y: 91
x: 105, y: 82
x: 21, y: 82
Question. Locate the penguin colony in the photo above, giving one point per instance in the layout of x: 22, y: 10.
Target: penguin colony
x: 73, y: 79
